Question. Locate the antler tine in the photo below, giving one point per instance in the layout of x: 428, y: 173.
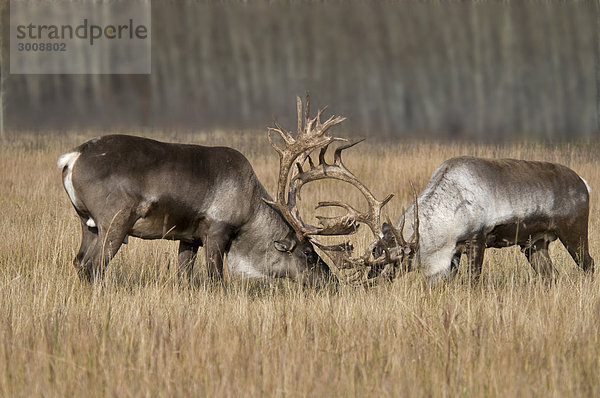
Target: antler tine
x: 414, y: 239
x: 319, y: 113
x: 397, y: 232
x: 322, y: 154
x: 285, y: 136
x: 317, y: 119
x: 299, y: 110
x: 332, y: 121
x: 307, y: 110
x: 279, y: 150
x: 307, y: 121
x: 337, y: 155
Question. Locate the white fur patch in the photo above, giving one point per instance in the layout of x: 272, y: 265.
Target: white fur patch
x: 586, y: 184
x: 90, y: 223
x: 68, y: 160
x: 223, y: 207
x: 240, y: 265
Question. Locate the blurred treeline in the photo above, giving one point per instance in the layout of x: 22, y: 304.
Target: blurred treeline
x: 479, y: 69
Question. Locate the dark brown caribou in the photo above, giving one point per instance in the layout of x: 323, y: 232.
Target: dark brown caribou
x: 125, y: 186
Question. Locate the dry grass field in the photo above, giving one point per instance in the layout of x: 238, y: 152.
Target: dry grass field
x: 139, y: 333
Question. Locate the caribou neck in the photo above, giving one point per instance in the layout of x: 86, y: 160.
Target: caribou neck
x: 256, y: 237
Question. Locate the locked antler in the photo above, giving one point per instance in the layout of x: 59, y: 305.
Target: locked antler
x: 312, y: 135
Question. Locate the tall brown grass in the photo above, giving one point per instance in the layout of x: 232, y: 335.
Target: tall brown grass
x: 139, y: 333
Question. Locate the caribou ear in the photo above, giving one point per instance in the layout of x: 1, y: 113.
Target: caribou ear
x: 285, y: 245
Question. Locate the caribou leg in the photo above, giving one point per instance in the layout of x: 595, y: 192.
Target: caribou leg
x: 105, y: 247
x: 441, y: 262
x: 576, y: 243
x: 537, y: 254
x: 185, y: 259
x: 475, y: 252
x: 454, y: 264
x: 89, y: 237
x: 216, y: 244
x: 582, y: 257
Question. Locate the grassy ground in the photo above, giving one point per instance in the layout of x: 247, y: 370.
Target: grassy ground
x: 139, y: 333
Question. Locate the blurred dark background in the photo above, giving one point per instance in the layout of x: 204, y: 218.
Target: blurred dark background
x: 472, y: 70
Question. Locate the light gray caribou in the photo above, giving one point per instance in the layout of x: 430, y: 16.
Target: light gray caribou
x: 472, y: 203
x: 125, y: 186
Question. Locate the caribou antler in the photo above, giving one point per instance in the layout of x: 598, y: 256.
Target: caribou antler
x: 312, y: 135
x: 397, y: 232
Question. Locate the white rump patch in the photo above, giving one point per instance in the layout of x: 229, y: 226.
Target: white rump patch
x: 68, y: 160
x: 90, y: 223
x: 586, y: 184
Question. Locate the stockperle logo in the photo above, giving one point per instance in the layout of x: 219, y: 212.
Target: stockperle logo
x: 66, y: 36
